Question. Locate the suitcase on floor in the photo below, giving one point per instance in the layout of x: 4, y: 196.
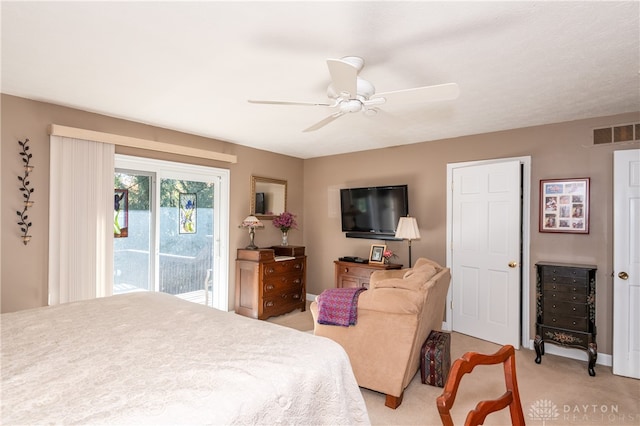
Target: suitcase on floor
x: 435, y: 359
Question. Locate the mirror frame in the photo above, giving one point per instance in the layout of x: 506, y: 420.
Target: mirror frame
x: 252, y: 196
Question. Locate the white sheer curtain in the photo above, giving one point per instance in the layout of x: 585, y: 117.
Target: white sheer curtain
x: 80, y: 220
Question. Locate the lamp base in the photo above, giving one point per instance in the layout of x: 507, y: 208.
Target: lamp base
x: 251, y: 245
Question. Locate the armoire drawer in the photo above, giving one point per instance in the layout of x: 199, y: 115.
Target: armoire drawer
x: 563, y: 321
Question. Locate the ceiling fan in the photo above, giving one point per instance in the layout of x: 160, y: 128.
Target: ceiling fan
x: 350, y: 93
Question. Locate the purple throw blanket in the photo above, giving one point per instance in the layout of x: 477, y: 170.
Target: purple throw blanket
x: 339, y: 306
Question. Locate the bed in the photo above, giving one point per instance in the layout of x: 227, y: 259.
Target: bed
x: 152, y: 358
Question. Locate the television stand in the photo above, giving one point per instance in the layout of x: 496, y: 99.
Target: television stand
x: 351, y: 274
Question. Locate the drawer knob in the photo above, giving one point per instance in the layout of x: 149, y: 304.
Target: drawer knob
x: 554, y: 320
x: 574, y: 323
x: 346, y: 270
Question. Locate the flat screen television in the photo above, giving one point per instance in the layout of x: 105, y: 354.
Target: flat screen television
x: 373, y: 212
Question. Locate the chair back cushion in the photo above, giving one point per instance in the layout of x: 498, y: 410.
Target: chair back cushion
x: 415, y: 278
x: 392, y: 300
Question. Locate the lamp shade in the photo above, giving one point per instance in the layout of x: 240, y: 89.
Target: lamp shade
x: 252, y: 222
x: 408, y: 228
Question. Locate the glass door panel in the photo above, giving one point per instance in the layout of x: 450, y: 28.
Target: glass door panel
x: 132, y: 236
x: 185, y: 262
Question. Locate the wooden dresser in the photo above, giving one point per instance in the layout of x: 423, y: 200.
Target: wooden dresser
x: 566, y: 308
x: 352, y: 274
x: 270, y: 281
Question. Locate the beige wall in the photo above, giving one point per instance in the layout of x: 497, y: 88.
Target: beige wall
x: 24, y: 268
x: 557, y: 151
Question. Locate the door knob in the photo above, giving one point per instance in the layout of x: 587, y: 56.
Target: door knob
x: 623, y: 275
x: 513, y: 264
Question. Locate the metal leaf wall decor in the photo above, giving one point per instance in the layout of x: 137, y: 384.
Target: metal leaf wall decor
x: 26, y: 191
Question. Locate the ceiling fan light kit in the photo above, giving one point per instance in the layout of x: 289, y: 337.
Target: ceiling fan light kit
x: 351, y: 93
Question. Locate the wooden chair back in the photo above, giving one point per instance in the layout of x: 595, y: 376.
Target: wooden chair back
x: 466, y: 364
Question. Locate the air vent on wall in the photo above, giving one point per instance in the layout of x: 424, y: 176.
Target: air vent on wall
x: 619, y: 133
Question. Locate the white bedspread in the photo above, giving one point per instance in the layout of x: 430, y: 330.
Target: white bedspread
x: 151, y: 358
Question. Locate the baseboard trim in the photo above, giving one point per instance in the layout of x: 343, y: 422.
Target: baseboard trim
x: 579, y: 354
x: 311, y: 297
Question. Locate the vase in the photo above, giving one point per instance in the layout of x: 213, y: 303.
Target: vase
x: 285, y: 238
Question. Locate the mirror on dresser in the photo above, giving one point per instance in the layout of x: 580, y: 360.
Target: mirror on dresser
x: 268, y: 197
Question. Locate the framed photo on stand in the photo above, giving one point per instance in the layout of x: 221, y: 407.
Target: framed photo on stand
x: 376, y: 255
x: 564, y: 205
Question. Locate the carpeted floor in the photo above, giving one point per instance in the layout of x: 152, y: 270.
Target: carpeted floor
x: 559, y: 391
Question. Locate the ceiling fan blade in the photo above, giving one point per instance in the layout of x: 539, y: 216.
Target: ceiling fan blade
x: 252, y: 101
x: 343, y: 76
x: 324, y: 121
x: 439, y: 92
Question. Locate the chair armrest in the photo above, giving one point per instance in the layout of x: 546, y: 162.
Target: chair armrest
x: 385, y: 275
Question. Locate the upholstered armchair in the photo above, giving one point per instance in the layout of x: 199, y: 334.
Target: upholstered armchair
x: 395, y: 316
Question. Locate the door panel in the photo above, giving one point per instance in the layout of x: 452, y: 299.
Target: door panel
x: 485, y: 240
x: 498, y: 292
x: 626, y: 259
x: 469, y: 302
x: 186, y: 239
x: 131, y: 261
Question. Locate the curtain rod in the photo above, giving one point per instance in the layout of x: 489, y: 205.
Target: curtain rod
x: 72, y: 132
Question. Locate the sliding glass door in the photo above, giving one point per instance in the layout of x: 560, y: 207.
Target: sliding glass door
x: 132, y: 232
x: 176, y: 234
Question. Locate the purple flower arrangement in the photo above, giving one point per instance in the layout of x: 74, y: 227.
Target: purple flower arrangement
x: 285, y: 221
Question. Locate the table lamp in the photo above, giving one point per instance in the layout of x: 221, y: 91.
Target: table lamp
x: 252, y: 223
x: 408, y: 230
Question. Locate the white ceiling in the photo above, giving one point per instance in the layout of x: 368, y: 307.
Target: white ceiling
x: 192, y: 66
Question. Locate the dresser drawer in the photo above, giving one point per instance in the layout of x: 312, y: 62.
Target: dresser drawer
x: 559, y: 280
x: 577, y: 288
x: 356, y: 271
x: 564, y: 296
x: 565, y: 271
x: 564, y: 321
x: 557, y: 308
x: 565, y: 337
x: 276, y: 268
x: 280, y: 283
x: 278, y: 303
